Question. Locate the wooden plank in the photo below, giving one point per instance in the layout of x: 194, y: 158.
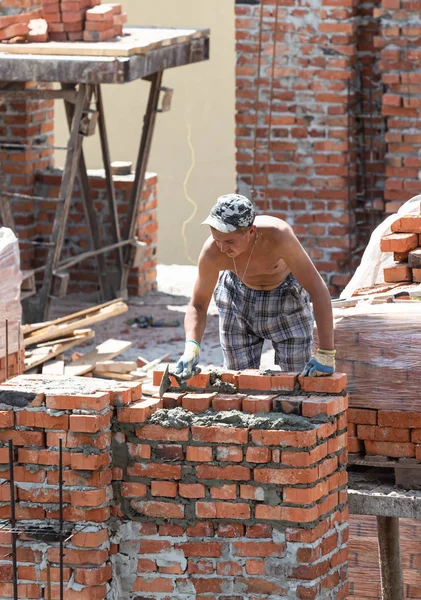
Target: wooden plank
x: 105, y: 351
x: 44, y: 352
x: 120, y: 366
x: 136, y: 40
x: 56, y: 331
x: 81, y: 313
x: 53, y: 368
x: 116, y: 376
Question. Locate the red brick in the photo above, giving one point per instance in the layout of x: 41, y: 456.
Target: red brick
x: 251, y: 379
x: 229, y: 454
x: 199, y: 453
x: 222, y: 435
x: 332, y: 384
x: 139, y: 450
x: 397, y: 272
x: 227, y: 401
x: 251, y: 492
x: 154, y: 508
x: 89, y: 423
x: 399, y: 419
x: 328, y: 405
x: 383, y: 434
x: 286, y: 476
x: 93, y: 577
x: 258, y: 549
x: 23, y: 438
x: 155, y: 585
x: 200, y: 550
x: 93, y: 462
x: 407, y: 224
x: 258, y: 455
x: 155, y: 470
x: 157, y: 432
x: 282, y: 438
x: 222, y: 510
x: 197, y: 403
x: 164, y: 488
x: 92, y: 539
x: 399, y: 242
x: 192, y: 490
x: 304, y: 459
x: 95, y: 401
x: 362, y: 416
x: 306, y: 495
x: 392, y: 449
x: 139, y: 411
x: 131, y: 489
x: 7, y: 418
x: 283, y: 382
x: 224, y: 492
x: 88, y: 497
x: 234, y: 473
x: 258, y: 404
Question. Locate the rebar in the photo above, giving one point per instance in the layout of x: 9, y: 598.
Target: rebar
x: 19, y: 352
x: 6, y: 325
x: 60, y: 499
x: 13, y: 520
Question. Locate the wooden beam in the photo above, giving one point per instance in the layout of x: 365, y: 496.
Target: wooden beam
x: 105, y: 351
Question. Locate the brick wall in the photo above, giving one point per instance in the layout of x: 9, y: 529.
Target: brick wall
x: 401, y: 73
x: 83, y: 277
x: 326, y: 150
x: 160, y: 504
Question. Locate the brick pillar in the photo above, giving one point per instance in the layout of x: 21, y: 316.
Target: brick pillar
x: 401, y: 73
x: 214, y: 506
x: 23, y: 124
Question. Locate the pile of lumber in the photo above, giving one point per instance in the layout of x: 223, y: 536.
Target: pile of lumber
x: 23, y: 27
x: 405, y: 243
x: 45, y: 341
x: 88, y: 20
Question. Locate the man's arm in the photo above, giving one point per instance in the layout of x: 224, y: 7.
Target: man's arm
x: 207, y: 277
x: 305, y: 272
x: 195, y: 320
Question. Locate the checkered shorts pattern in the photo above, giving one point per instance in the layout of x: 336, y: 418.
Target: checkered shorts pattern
x: 248, y: 317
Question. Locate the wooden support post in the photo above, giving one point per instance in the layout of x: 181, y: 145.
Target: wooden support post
x: 89, y: 209
x: 6, y: 215
x: 390, y: 558
x: 36, y: 308
x: 111, y: 197
x: 141, y: 165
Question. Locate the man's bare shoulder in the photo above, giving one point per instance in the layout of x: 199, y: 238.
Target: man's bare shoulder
x: 273, y: 227
x: 211, y: 255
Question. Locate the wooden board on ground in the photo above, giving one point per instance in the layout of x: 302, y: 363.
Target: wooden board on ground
x: 135, y: 40
x: 115, y: 366
x: 27, y: 329
x: 51, y: 332
x: 105, y: 351
x: 53, y: 368
x: 40, y: 354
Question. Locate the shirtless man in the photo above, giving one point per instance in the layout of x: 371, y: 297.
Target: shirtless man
x: 262, y: 279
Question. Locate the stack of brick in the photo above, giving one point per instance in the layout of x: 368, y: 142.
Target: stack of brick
x: 172, y: 503
x: 66, y: 18
x: 23, y: 27
x: 10, y: 307
x: 104, y: 22
x: 405, y: 243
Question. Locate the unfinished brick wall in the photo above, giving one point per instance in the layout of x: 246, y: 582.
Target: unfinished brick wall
x: 173, y: 505
x: 83, y: 277
x: 315, y: 179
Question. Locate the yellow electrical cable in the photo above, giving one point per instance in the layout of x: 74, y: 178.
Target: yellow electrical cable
x: 186, y: 179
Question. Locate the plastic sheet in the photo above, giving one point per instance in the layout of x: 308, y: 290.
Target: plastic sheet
x: 379, y: 347
x: 373, y: 261
x: 10, y: 282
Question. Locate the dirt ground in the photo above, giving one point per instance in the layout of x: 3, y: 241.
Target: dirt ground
x: 168, y: 304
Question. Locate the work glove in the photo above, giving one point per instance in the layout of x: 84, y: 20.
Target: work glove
x: 187, y: 367
x: 320, y: 364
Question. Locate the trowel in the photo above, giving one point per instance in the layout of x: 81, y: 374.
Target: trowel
x: 166, y: 381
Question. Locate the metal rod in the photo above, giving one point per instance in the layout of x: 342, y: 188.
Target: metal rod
x: 13, y: 520
x: 256, y: 105
x: 28, y: 197
x: 390, y: 558
x: 19, y: 354
x: 48, y: 582
x: 79, y: 257
x: 60, y: 499
x: 6, y: 325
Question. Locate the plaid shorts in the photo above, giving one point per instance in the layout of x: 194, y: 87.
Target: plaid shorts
x: 248, y: 317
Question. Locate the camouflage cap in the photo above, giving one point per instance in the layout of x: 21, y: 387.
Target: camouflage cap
x: 231, y: 212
